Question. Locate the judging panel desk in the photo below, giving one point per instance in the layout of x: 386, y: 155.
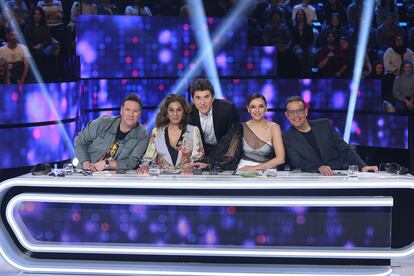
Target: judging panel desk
x: 182, y: 224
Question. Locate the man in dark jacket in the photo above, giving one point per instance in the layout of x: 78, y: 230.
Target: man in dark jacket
x: 219, y: 124
x: 315, y: 146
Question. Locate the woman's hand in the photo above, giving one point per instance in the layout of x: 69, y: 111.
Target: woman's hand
x: 143, y: 170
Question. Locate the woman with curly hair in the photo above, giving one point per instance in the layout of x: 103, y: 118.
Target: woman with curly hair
x: 174, y: 144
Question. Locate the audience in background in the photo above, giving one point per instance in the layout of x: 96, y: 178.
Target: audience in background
x: 19, y: 10
x: 54, y: 15
x: 387, y: 32
x: 302, y: 39
x: 332, y: 7
x: 384, y: 7
x: 106, y: 7
x: 308, y: 9
x: 334, y: 25
x: 354, y: 12
x: 17, y: 56
x: 403, y: 89
x: 278, y: 34
x: 329, y: 58
x: 137, y: 8
x: 393, y: 60
x: 378, y: 72
x: 37, y: 34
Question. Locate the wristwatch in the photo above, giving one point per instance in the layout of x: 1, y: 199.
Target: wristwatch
x: 107, y: 166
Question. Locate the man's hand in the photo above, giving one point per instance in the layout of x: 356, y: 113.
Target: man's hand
x: 325, y: 170
x: 86, y: 165
x: 100, y: 165
x: 369, y: 169
x: 200, y: 165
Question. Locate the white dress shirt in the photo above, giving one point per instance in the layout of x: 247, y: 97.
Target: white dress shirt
x: 207, y: 126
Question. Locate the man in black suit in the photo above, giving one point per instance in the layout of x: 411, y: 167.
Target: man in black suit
x: 218, y: 121
x: 315, y: 146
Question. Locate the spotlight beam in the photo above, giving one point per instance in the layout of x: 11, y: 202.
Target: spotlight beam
x: 231, y: 22
x: 365, y: 23
x: 202, y: 34
x: 33, y: 67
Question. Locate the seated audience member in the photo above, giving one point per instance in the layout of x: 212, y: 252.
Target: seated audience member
x: 315, y: 146
x: 262, y: 139
x: 332, y: 7
x: 354, y: 12
x: 386, y: 33
x: 108, y: 8
x: 382, y: 8
x: 278, y: 34
x: 302, y: 40
x: 19, y: 10
x: 396, y: 54
x: 4, y: 72
x: 113, y: 142
x: 329, y: 59
x: 353, y: 35
x: 257, y: 21
x: 308, y: 9
x: 17, y: 56
x: 284, y: 7
x: 137, y: 8
x: 174, y: 143
x: 393, y: 59
x: 378, y: 72
x: 403, y: 89
x: 219, y: 124
x: 333, y: 26
x: 54, y: 15
x: 37, y: 34
x: 83, y: 7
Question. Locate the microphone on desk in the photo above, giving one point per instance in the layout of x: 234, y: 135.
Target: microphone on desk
x: 394, y: 168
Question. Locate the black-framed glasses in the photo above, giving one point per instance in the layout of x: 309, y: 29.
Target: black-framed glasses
x: 292, y: 113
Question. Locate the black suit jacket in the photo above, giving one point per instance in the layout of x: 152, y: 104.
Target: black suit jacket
x: 335, y: 152
x: 225, y: 115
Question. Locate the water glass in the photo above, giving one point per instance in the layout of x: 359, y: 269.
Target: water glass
x: 272, y: 172
x: 353, y: 170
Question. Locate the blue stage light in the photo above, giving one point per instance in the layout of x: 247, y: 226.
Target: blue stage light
x: 39, y: 79
x: 365, y: 24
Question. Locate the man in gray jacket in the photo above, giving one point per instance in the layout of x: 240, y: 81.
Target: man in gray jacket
x: 113, y: 142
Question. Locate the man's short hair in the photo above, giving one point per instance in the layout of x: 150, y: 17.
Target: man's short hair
x: 201, y: 85
x: 295, y: 99
x: 132, y: 97
x: 10, y: 30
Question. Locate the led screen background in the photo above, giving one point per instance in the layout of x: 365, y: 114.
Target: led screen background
x: 207, y: 226
x: 30, y: 102
x: 161, y: 47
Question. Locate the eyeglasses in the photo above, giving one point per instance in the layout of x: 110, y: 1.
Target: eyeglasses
x: 292, y: 113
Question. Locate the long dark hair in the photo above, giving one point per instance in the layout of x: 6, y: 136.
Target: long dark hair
x: 162, y: 119
x: 43, y: 19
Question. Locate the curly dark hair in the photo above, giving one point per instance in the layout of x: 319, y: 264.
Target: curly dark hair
x: 162, y: 119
